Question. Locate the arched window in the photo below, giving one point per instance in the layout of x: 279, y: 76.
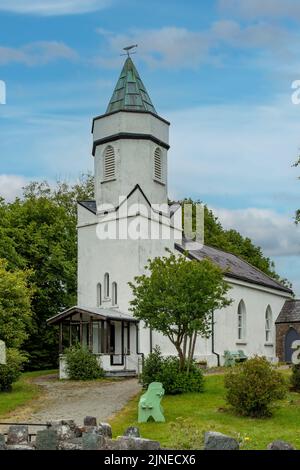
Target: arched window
x: 268, y: 324
x: 158, y: 168
x: 109, y: 164
x: 106, y: 285
x: 241, y: 320
x: 114, y: 295
x: 99, y: 294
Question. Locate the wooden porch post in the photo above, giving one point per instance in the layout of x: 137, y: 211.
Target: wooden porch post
x: 80, y: 331
x: 91, y: 334
x: 60, y: 338
x: 70, y: 332
x: 107, y: 336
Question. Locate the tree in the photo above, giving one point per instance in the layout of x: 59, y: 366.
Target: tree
x: 15, y: 306
x: 232, y: 241
x: 41, y: 233
x: 177, y: 298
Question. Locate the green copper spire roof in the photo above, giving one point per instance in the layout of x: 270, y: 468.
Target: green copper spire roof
x: 130, y: 92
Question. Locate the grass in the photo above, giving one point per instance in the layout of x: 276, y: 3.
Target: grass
x: 188, y: 416
x: 24, y: 391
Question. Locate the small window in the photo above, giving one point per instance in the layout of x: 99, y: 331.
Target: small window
x: 109, y: 165
x: 106, y: 285
x: 158, y: 170
x: 241, y: 320
x: 99, y: 294
x: 114, y: 293
x: 268, y: 327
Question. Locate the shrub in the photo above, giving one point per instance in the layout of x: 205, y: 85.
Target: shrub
x: 11, y: 371
x: 253, y: 387
x: 167, y: 371
x: 295, y: 377
x: 81, y: 364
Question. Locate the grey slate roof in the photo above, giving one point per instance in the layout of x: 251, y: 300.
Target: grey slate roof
x: 237, y: 268
x: 290, y: 312
x: 89, y: 205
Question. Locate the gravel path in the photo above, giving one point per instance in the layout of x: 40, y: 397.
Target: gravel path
x: 75, y: 400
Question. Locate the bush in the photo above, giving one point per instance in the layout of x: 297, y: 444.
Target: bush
x: 11, y: 371
x: 253, y: 387
x: 295, y: 378
x: 81, y: 364
x: 166, y: 370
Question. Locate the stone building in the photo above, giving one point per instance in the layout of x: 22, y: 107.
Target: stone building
x: 287, y: 329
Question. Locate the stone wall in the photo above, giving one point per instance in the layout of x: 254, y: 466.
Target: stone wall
x: 66, y: 435
x: 281, y: 331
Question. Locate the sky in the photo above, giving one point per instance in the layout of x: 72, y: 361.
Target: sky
x: 221, y: 71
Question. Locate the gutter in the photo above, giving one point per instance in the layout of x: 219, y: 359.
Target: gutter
x: 213, y: 339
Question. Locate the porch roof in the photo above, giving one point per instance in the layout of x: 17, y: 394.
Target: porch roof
x: 98, y: 313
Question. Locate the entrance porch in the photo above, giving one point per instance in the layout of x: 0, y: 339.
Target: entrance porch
x: 109, y: 334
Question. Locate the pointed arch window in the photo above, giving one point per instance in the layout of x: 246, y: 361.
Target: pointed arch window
x: 241, y: 314
x: 158, y: 166
x: 109, y: 164
x: 106, y: 285
x: 114, y: 289
x: 268, y: 324
x: 99, y: 294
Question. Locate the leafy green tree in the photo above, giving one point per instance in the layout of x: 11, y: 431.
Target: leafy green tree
x: 177, y: 297
x: 15, y: 306
x: 232, y: 241
x: 41, y: 230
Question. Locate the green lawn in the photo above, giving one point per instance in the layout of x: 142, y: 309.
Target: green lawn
x: 189, y: 416
x: 23, y: 392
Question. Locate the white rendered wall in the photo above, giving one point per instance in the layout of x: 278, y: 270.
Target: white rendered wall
x: 256, y: 300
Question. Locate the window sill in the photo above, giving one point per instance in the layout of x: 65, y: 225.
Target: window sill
x: 241, y: 342
x: 108, y: 181
x: 159, y: 182
x: 269, y: 344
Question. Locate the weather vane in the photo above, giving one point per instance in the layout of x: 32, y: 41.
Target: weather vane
x: 128, y: 50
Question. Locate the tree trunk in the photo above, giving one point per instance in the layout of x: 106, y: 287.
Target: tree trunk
x: 192, y: 345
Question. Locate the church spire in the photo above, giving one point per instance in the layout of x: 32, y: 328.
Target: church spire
x: 130, y: 92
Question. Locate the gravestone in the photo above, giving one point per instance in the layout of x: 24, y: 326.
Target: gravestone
x: 2, y: 352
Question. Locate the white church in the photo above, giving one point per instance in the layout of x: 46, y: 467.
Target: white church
x: 130, y: 150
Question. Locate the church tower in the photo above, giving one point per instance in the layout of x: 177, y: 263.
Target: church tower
x: 130, y: 144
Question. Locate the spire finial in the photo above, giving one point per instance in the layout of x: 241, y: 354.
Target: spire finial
x: 128, y: 50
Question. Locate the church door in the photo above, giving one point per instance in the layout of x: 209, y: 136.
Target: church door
x: 290, y: 337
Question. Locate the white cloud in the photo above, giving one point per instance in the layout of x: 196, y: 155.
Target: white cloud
x: 237, y: 153
x: 53, y: 7
x: 168, y: 46
x: 11, y: 186
x: 37, y: 53
x: 172, y: 46
x: 252, y: 9
x: 274, y: 232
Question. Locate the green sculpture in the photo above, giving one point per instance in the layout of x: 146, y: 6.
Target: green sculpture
x: 149, y: 404
x: 233, y: 357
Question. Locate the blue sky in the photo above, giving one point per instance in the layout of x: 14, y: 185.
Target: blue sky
x: 220, y: 70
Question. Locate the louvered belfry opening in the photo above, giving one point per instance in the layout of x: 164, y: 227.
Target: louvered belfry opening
x: 109, y: 164
x: 158, y: 175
